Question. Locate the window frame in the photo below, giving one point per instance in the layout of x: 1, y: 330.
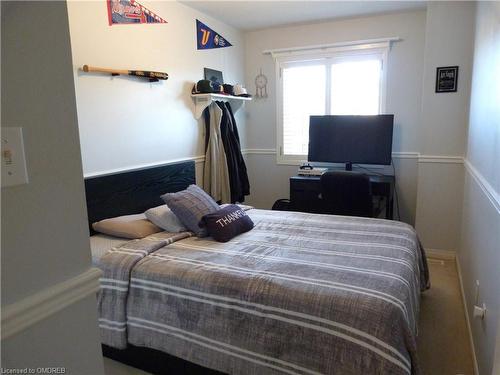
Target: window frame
x: 329, y: 56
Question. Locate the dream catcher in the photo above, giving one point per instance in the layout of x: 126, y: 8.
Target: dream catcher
x: 261, y: 85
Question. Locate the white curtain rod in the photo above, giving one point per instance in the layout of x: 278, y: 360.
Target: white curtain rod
x: 325, y: 46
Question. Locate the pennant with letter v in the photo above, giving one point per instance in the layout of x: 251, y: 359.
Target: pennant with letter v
x: 208, y: 38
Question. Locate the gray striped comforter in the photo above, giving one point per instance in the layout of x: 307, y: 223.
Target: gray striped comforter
x: 298, y: 294
x: 117, y: 265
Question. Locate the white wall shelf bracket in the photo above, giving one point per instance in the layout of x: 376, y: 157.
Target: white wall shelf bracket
x: 202, y: 101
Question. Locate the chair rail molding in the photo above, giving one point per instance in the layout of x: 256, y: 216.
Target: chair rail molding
x: 259, y: 151
x: 485, y: 186
x: 22, y: 314
x: 441, y: 159
x: 405, y: 155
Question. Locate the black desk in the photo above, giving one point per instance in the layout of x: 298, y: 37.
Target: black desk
x: 305, y: 193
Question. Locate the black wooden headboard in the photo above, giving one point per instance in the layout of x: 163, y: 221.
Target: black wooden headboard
x: 135, y: 191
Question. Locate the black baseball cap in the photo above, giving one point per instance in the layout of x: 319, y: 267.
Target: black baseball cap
x: 203, y: 86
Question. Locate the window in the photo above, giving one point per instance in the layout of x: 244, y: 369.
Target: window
x: 304, y: 93
x: 342, y: 81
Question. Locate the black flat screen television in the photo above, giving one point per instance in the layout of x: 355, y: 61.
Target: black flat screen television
x: 351, y: 139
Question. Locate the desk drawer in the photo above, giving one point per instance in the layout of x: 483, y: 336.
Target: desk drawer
x: 304, y: 196
x: 381, y: 189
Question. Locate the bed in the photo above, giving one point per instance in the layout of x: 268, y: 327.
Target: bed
x: 298, y: 294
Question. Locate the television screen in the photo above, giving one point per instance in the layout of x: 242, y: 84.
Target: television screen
x: 351, y: 139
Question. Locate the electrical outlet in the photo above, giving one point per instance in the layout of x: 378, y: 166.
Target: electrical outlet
x: 13, y: 159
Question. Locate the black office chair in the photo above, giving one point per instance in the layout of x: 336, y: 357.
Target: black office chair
x: 347, y: 193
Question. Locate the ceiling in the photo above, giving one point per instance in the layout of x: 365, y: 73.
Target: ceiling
x: 253, y: 15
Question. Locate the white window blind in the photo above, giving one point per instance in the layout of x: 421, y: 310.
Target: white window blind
x: 346, y: 82
x: 355, y: 87
x: 304, y: 90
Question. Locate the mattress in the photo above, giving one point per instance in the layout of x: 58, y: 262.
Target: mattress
x: 100, y: 244
x: 299, y: 294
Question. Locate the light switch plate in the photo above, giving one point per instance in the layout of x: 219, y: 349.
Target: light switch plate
x: 14, y: 170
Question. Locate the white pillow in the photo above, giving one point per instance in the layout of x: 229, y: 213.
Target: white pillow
x: 163, y: 217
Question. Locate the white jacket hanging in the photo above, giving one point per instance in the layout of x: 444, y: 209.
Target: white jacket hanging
x: 215, y: 173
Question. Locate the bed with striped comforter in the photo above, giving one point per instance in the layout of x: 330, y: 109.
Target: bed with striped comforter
x: 298, y: 294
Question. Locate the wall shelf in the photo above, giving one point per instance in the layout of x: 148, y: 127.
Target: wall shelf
x: 202, y: 101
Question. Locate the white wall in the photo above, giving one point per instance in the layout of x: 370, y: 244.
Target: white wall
x: 44, y: 227
x: 448, y: 42
x: 405, y: 60
x: 483, y: 146
x: 479, y: 253
x: 449, y: 39
x: 404, y: 89
x: 430, y: 128
x: 125, y: 122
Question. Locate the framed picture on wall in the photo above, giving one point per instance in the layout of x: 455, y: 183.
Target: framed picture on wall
x: 214, y: 75
x: 446, y: 79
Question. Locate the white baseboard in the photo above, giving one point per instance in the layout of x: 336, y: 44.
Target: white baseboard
x: 22, y: 314
x: 467, y: 318
x: 440, y: 254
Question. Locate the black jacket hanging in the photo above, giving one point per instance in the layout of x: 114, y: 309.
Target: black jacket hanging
x: 244, y: 184
x: 206, y: 115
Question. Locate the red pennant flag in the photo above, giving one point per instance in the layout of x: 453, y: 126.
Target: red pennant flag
x: 130, y: 11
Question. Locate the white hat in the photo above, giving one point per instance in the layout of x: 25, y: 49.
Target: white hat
x: 239, y: 90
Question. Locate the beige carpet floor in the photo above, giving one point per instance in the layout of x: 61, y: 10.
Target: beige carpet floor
x: 443, y: 342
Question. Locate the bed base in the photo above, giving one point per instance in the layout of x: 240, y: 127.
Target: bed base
x: 155, y: 361
x: 133, y: 192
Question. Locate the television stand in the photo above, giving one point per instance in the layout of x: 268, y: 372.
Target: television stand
x: 348, y: 166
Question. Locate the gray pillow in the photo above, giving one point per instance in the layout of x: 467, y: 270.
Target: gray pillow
x: 190, y: 206
x: 163, y: 217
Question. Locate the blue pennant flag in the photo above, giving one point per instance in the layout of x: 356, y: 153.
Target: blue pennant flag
x: 208, y: 38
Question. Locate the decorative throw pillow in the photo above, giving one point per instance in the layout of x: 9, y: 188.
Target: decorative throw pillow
x: 227, y: 223
x: 190, y: 206
x: 244, y: 207
x: 128, y: 226
x: 163, y: 217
